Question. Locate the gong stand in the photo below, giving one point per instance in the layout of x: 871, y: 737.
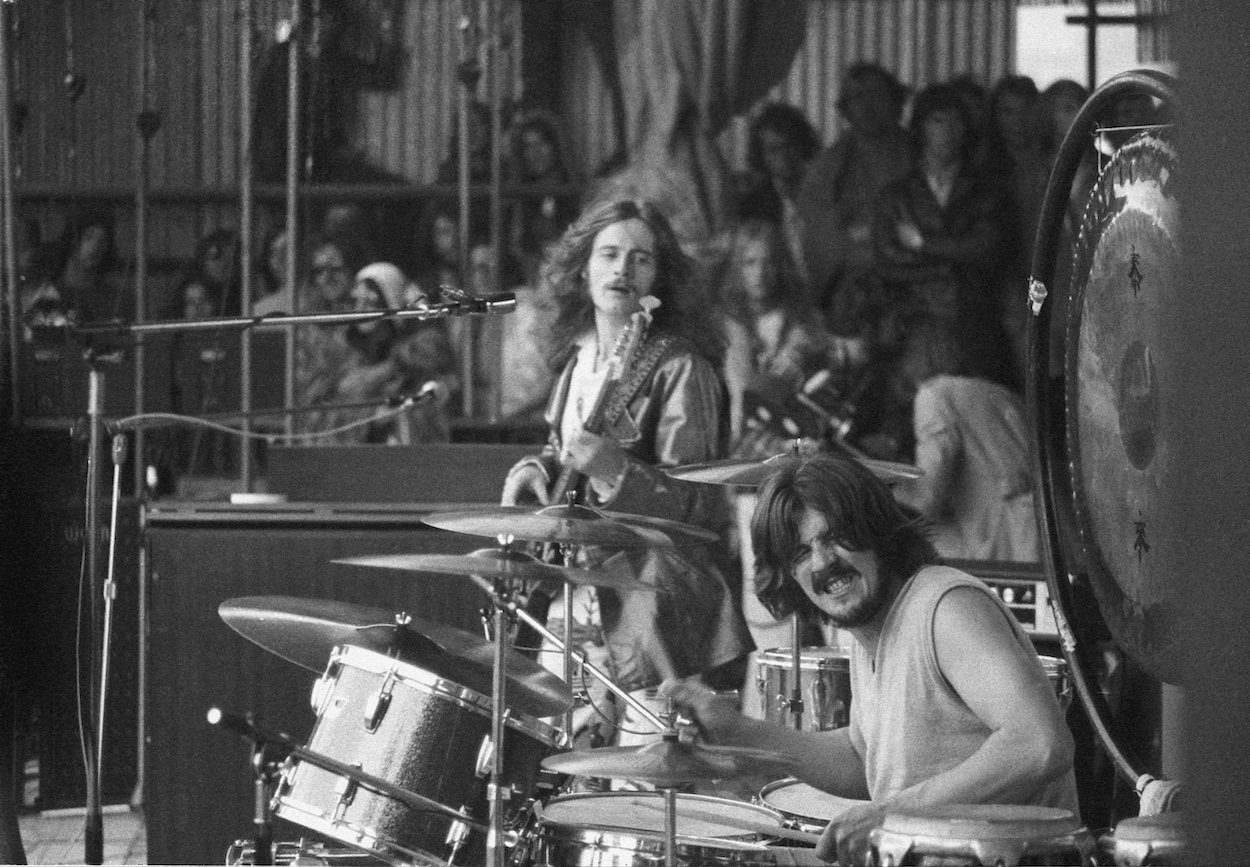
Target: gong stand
x: 1050, y: 464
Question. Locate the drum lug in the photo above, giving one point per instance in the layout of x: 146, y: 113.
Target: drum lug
x: 485, y: 757
x: 345, y: 788
x: 321, y: 690
x: 376, y: 704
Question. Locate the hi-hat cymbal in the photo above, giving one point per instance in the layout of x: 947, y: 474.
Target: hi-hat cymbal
x: 572, y: 525
x: 670, y: 762
x: 500, y: 563
x: 305, y: 632
x: 752, y: 473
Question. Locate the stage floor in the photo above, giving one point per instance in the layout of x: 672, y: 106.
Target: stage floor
x: 56, y: 836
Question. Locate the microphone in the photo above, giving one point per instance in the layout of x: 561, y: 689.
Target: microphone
x: 237, y: 724
x: 461, y: 303
x: 119, y: 449
x: 433, y: 391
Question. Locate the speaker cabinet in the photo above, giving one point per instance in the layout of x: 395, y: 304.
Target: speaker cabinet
x: 199, y: 781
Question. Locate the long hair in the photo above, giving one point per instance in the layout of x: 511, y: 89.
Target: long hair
x: 942, y: 97
x: 787, y: 290
x: 684, y: 309
x: 787, y: 121
x: 859, y: 508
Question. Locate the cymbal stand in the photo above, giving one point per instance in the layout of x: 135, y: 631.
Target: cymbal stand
x: 501, y: 588
x: 795, y: 704
x: 670, y: 826
x: 523, y: 615
x: 266, y: 771
x: 568, y: 553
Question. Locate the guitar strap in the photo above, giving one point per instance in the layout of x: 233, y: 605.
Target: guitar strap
x: 648, y: 358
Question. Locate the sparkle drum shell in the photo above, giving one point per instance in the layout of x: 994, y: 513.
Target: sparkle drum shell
x: 418, y: 732
x: 825, y: 685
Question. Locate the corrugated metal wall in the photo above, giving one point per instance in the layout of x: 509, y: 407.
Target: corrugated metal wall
x: 196, y: 86
x: 923, y: 41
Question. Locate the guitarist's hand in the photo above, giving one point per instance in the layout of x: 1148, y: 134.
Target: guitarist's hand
x: 526, y: 485
x: 595, y: 456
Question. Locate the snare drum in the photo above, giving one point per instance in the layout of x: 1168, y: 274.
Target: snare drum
x: 993, y: 835
x: 825, y: 685
x: 1057, y: 673
x: 804, y: 807
x: 418, y: 732
x: 626, y: 829
x: 1145, y: 841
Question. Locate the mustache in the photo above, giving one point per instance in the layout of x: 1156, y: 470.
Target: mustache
x: 830, y: 575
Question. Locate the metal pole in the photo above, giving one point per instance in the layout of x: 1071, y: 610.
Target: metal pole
x: 142, y: 161
x: 13, y: 334
x: 246, y: 216
x: 292, y: 179
x: 495, y: 18
x: 1091, y: 44
x: 468, y: 80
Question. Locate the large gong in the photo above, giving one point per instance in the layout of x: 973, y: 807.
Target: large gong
x: 1121, y: 391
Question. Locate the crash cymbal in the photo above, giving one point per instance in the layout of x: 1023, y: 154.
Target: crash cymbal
x: 501, y: 563
x: 752, y: 473
x: 670, y: 762
x: 571, y: 525
x: 305, y: 632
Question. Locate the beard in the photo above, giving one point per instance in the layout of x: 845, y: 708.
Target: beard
x: 862, y: 611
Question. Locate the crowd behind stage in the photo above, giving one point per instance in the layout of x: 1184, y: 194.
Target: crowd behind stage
x: 870, y: 286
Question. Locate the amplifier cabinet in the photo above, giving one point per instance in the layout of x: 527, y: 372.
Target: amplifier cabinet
x: 199, y: 784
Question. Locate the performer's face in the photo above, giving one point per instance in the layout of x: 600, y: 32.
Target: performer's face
x: 846, y: 585
x: 621, y: 268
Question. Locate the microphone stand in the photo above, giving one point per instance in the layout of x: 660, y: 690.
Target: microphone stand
x: 93, y: 831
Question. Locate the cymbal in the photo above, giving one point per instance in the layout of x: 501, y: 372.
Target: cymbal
x: 669, y: 762
x: 305, y: 632
x: 500, y: 563
x: 574, y: 525
x: 751, y: 473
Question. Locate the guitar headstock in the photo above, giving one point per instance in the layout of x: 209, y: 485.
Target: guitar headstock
x: 631, y: 336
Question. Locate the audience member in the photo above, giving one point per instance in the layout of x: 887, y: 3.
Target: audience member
x: 842, y: 185
x: 781, y: 143
x: 333, y: 261
x: 209, y: 286
x: 534, y: 220
x: 972, y: 444
x: 939, y: 235
x: 354, y: 371
x: 84, y: 260
x: 268, y: 295
x: 1016, y: 160
x: 764, y: 296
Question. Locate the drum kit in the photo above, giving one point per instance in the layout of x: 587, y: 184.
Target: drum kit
x: 433, y: 746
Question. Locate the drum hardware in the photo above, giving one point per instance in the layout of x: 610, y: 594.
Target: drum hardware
x: 249, y: 729
x: 804, y: 807
x: 1148, y: 840
x: 754, y: 827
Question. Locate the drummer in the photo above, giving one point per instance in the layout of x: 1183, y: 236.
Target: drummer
x: 616, y: 254
x: 950, y: 703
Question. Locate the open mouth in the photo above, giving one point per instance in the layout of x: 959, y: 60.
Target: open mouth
x: 834, y: 582
x: 622, y: 288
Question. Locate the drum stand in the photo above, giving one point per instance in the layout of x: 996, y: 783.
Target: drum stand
x: 795, y: 702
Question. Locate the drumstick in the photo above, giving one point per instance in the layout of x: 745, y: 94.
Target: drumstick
x: 743, y: 824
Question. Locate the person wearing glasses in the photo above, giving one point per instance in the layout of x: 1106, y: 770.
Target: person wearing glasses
x: 950, y: 703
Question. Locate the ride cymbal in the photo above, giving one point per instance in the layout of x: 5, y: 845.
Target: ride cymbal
x: 305, y: 632
x: 752, y: 473
x: 669, y: 762
x: 501, y: 563
x: 570, y: 525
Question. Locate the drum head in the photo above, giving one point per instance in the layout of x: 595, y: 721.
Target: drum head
x: 1122, y: 381
x: 790, y: 797
x: 644, y: 812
